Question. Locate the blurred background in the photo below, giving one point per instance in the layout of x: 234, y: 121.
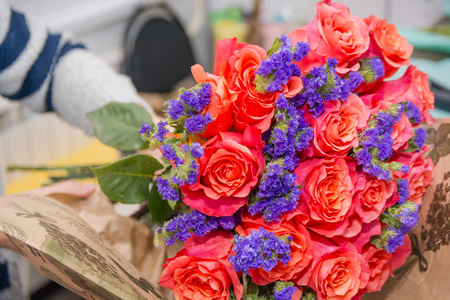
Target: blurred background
x: 156, y: 42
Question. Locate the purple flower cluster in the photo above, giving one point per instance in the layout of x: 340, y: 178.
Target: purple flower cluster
x: 289, y: 135
x: 194, y: 223
x: 285, y: 293
x: 145, y: 129
x: 323, y: 84
x: 162, y: 131
x: 402, y: 190
x: 197, y: 99
x: 278, y: 68
x: 277, y: 193
x: 419, y: 138
x: 185, y: 110
x: 376, y: 143
x: 413, y: 113
x: 170, y: 154
x: 166, y: 190
x: 371, y: 69
x: 260, y: 249
x: 400, y: 219
x: 197, y: 124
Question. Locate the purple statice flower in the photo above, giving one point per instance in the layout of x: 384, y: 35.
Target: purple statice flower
x: 170, y: 154
x: 285, y: 41
x: 197, y: 124
x: 413, y: 113
x: 385, y: 147
x: 192, y: 176
x: 419, y: 138
x: 277, y: 193
x: 377, y: 66
x: 400, y: 219
x: 285, y: 293
x: 175, y: 109
x: 162, y: 131
x: 394, y: 240
x: 323, y: 84
x: 371, y: 69
x: 276, y: 71
x: 364, y: 157
x: 301, y: 50
x: 197, y: 150
x: 145, y: 129
x: 404, y: 169
x: 198, y: 98
x: 166, y: 190
x: 403, y: 190
x: 355, y: 80
x: 194, y: 223
x: 260, y: 249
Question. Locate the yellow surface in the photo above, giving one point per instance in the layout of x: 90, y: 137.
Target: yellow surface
x: 94, y: 153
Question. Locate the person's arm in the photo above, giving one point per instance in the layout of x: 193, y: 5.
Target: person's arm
x: 49, y: 72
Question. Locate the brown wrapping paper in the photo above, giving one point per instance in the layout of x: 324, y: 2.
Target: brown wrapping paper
x: 425, y: 273
x: 48, y: 233
x: 67, y: 249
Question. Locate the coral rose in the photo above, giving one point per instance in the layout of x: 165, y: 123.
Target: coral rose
x: 371, y: 197
x: 420, y: 174
x: 382, y: 264
x: 237, y: 63
x: 230, y: 168
x: 387, y: 44
x: 401, y: 133
x: 339, y: 275
x: 301, y: 248
x: 201, y: 270
x: 336, y: 130
x: 334, y: 32
x: 326, y: 202
x: 220, y: 105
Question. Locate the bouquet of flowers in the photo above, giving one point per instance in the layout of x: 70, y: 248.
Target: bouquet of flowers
x: 296, y: 173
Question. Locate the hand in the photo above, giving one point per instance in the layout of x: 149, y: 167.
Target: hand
x: 69, y: 187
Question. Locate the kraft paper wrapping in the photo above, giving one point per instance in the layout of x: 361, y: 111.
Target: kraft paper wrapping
x: 83, y: 245
x: 68, y: 250
x: 425, y: 273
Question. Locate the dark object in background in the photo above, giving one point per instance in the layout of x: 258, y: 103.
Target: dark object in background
x: 442, y: 96
x: 157, y: 50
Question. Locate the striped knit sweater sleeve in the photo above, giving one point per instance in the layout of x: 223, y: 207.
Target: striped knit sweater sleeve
x: 49, y: 72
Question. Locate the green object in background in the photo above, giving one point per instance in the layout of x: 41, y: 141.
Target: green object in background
x: 426, y: 40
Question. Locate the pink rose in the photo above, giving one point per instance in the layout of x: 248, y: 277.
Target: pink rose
x: 326, y: 202
x: 334, y: 32
x: 220, y: 106
x: 412, y: 86
x: 231, y: 167
x: 387, y: 44
x: 201, y: 270
x: 301, y: 248
x: 336, y: 130
x: 420, y: 175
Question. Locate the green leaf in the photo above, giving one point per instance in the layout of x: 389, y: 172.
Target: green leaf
x: 158, y: 208
x: 431, y: 136
x: 252, y: 292
x: 172, y: 204
x: 127, y: 180
x: 442, y: 132
x: 117, y: 125
x: 444, y: 148
x: 434, y: 156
